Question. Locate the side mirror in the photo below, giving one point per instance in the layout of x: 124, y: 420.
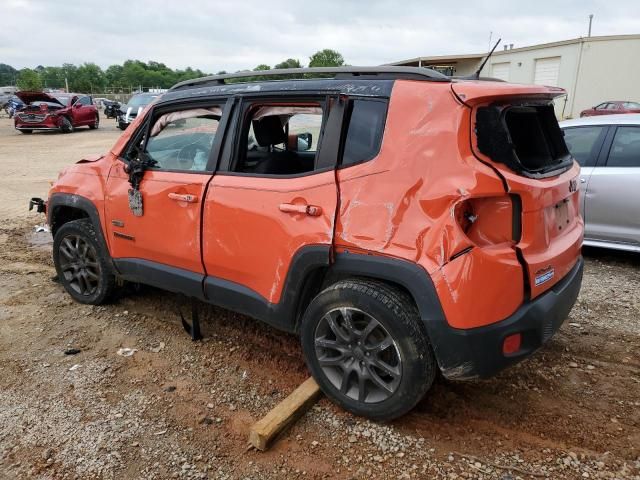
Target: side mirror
x: 303, y: 142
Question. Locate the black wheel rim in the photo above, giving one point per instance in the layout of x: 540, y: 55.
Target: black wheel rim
x: 358, y: 355
x: 79, y: 265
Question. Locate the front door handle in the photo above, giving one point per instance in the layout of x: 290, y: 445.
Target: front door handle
x: 310, y: 210
x: 183, y: 197
x: 583, y: 180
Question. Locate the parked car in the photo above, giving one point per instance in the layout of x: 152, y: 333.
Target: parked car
x: 612, y: 108
x: 111, y: 109
x: 608, y: 150
x: 134, y: 107
x: 398, y: 237
x: 13, y: 105
x: 55, y: 111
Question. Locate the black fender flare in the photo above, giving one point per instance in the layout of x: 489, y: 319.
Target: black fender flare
x: 78, y: 202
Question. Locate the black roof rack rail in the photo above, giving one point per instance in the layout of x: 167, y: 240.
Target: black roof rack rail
x: 340, y: 73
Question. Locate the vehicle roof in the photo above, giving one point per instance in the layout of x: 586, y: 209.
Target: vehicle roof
x: 373, y: 88
x: 619, y: 119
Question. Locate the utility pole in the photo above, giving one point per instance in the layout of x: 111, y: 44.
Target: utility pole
x: 66, y: 84
x: 590, y: 20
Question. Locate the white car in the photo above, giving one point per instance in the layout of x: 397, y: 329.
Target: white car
x: 608, y: 150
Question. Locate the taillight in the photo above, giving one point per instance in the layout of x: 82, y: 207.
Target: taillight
x: 487, y: 220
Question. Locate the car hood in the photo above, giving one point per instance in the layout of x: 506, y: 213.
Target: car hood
x: 28, y: 97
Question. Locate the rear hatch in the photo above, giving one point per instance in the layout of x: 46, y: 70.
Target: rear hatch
x: 516, y: 133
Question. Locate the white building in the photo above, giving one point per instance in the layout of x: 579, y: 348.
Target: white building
x: 591, y: 69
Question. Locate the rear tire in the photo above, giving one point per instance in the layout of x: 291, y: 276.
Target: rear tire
x: 122, y: 126
x: 82, y: 263
x: 365, y: 345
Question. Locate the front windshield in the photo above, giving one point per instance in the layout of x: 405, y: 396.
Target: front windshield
x: 63, y: 99
x: 140, y: 101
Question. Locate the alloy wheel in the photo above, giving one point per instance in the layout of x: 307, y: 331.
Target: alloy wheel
x: 79, y: 264
x: 358, y: 355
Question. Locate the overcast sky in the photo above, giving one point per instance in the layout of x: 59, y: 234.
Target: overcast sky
x: 232, y: 35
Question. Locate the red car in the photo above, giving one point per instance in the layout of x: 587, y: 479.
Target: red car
x: 56, y: 111
x: 611, y: 107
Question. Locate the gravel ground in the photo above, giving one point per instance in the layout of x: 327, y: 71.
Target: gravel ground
x: 182, y: 409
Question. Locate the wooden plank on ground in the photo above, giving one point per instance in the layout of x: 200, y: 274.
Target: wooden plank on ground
x: 282, y: 415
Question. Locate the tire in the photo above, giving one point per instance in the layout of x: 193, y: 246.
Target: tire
x: 65, y: 125
x: 385, y: 357
x: 122, y: 126
x: 82, y: 263
x: 95, y: 124
x: 26, y: 132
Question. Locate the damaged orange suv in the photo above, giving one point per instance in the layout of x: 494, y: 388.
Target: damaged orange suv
x: 399, y: 221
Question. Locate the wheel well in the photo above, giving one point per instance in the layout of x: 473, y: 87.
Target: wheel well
x: 63, y: 214
x: 321, y: 278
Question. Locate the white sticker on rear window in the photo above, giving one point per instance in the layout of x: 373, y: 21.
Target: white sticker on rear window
x: 544, y: 277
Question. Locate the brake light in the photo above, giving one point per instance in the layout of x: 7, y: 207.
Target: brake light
x: 487, y: 220
x: 512, y: 343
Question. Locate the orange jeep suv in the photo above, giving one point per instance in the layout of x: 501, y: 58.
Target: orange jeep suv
x: 401, y: 222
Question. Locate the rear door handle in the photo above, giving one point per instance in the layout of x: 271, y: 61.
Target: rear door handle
x: 183, y: 197
x: 310, y: 210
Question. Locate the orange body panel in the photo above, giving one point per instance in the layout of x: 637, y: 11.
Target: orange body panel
x: 403, y: 204
x: 250, y: 240
x: 169, y: 230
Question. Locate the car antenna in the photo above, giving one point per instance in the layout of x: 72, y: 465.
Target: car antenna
x: 476, y: 75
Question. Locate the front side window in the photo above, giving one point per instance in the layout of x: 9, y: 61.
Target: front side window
x: 582, y: 142
x: 625, y: 149
x: 280, y: 139
x: 612, y: 106
x: 364, y: 131
x: 182, y: 140
x: 84, y: 101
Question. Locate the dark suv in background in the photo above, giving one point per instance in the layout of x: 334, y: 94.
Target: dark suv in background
x: 133, y: 108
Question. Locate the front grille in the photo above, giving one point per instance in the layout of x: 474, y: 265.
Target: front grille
x: 32, y: 117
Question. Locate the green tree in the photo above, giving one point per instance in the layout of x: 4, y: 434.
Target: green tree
x: 326, y: 58
x: 29, y: 80
x: 262, y: 67
x: 88, y: 78
x: 289, y: 63
x: 8, y: 74
x: 52, y: 77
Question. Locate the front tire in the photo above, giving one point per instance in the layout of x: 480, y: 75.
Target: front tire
x: 65, y: 125
x: 82, y: 263
x: 365, y: 345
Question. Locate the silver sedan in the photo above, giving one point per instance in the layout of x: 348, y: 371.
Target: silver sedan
x: 608, y: 150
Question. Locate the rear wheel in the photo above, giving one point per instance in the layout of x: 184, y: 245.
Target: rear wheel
x: 122, y: 126
x: 96, y: 123
x: 364, y: 344
x: 82, y: 263
x: 65, y: 125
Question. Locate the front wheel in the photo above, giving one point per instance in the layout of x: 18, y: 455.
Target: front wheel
x: 364, y: 344
x: 65, y: 125
x: 82, y: 264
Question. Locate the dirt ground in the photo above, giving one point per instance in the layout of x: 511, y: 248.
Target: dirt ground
x: 182, y: 409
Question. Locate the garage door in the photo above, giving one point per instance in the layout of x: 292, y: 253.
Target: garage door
x: 500, y: 70
x: 546, y: 72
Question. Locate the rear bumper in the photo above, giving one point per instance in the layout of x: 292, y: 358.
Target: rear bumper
x: 477, y: 352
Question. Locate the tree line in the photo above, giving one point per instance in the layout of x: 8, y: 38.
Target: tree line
x: 90, y: 78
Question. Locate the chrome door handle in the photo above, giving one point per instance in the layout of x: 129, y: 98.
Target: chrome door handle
x: 583, y: 180
x: 310, y: 210
x: 183, y: 197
